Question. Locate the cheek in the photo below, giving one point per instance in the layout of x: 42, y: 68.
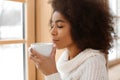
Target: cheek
x: 65, y: 40
x: 67, y: 37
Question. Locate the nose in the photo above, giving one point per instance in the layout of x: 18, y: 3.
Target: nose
x: 54, y: 31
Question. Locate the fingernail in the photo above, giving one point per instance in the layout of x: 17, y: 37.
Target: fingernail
x: 29, y: 49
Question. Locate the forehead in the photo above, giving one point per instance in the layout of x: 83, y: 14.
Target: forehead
x: 57, y: 16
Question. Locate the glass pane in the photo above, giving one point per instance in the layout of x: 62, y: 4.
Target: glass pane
x: 118, y: 48
x: 11, y: 20
x: 115, y: 51
x: 113, y: 7
x: 112, y: 52
x: 118, y: 27
x: 11, y: 62
x: 118, y: 7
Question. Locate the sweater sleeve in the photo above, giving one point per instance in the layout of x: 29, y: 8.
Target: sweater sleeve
x: 55, y: 76
x: 95, y: 69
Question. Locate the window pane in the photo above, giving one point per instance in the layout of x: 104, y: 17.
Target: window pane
x: 118, y: 27
x: 11, y: 62
x: 115, y: 51
x: 113, y: 6
x: 118, y: 7
x: 11, y: 20
x: 118, y: 48
x: 112, y: 52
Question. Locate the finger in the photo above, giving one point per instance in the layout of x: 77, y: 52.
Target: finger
x: 34, y: 52
x: 35, y: 59
x: 30, y: 56
x: 53, y: 52
x: 29, y: 50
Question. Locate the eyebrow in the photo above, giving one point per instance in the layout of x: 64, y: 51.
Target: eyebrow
x: 59, y: 21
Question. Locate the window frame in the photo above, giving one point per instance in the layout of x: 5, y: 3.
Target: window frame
x: 30, y: 73
x: 30, y: 21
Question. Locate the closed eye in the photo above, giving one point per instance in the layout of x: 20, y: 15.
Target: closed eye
x: 60, y: 26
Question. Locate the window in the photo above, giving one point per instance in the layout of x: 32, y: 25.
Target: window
x: 12, y: 41
x: 115, y: 9
x: 17, y: 32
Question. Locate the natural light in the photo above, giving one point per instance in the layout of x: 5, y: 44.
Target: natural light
x: 12, y: 55
x: 11, y: 28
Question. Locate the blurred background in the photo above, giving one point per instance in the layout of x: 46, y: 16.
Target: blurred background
x: 23, y: 22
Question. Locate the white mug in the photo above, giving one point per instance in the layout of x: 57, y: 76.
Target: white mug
x: 43, y: 48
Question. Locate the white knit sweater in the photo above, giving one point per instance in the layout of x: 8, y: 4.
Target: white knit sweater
x: 87, y: 65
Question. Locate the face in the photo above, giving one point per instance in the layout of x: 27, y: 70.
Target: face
x: 60, y: 31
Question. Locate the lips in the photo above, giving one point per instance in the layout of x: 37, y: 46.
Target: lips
x: 55, y: 40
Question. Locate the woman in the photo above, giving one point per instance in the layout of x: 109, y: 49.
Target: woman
x: 83, y: 28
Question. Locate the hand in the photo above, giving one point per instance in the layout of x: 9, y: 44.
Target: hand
x: 45, y: 64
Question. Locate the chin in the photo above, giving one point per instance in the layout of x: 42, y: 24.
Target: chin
x: 59, y: 47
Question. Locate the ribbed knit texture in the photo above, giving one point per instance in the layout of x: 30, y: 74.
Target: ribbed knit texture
x: 87, y: 65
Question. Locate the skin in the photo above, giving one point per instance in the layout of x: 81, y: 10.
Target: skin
x: 61, y: 37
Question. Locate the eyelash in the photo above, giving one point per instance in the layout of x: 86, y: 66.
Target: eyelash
x: 57, y: 27
x: 60, y: 26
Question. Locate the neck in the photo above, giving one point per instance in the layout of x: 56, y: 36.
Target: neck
x: 73, y: 51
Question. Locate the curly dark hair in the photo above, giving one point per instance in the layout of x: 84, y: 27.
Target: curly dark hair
x: 91, y: 22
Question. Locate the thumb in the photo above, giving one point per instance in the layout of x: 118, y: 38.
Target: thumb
x: 53, y: 52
